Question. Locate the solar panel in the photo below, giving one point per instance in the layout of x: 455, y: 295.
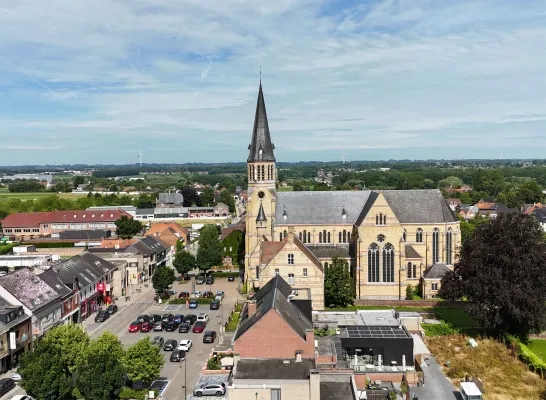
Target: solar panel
x: 364, y: 331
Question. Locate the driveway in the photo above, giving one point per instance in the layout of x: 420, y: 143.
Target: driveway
x: 436, y: 386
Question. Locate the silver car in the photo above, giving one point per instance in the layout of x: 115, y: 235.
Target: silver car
x: 210, y: 389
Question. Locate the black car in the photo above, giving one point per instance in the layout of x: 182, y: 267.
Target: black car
x: 209, y: 280
x: 143, y: 318
x: 209, y: 337
x: 231, y: 278
x: 112, y: 309
x: 102, y: 316
x: 190, y: 318
x: 184, y: 327
x: 214, y: 305
x: 179, y: 318
x: 155, y: 318
x: 171, y: 326
x: 178, y: 355
x: 158, y: 341
x: 159, y: 326
x: 6, y: 385
x: 167, y: 317
x: 170, y: 345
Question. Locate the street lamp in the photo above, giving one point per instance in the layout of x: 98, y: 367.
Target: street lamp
x: 185, y: 386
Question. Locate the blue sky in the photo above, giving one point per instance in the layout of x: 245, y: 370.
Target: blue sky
x: 93, y: 81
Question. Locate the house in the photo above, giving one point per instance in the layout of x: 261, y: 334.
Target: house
x: 491, y: 208
x: 454, y: 204
x: 167, y: 200
x: 221, y: 210
x: 69, y: 304
x: 272, y: 325
x: 39, y: 300
x: 431, y: 280
x: 116, y: 243
x: 25, y: 226
x: 540, y: 216
x: 154, y: 252
x: 200, y: 212
x: 233, y: 245
x: 227, y: 230
x: 167, y: 229
x: 530, y: 208
x: 468, y: 211
x: 15, y: 334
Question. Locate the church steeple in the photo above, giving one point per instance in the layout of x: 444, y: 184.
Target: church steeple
x: 261, y: 148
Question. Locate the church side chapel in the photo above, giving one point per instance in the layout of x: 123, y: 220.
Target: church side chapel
x: 390, y: 238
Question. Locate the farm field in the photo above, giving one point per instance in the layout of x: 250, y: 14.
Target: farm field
x: 6, y: 196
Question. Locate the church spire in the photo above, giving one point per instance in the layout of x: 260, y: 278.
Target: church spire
x: 261, y: 148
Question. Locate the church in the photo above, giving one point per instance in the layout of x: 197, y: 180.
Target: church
x: 390, y: 238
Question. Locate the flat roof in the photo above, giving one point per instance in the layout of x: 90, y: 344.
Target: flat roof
x: 471, y: 389
x: 360, y: 317
x: 273, y: 368
x: 387, y: 332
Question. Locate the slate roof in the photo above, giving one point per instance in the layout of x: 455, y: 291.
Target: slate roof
x: 540, y: 215
x: 171, y: 198
x: 336, y: 387
x: 147, y: 246
x: 274, y: 297
x: 411, y: 252
x: 52, y: 278
x: 273, y: 368
x: 29, y: 289
x: 86, y: 268
x: 329, y: 251
x: 419, y: 206
x: 261, y: 138
x: 320, y: 207
x: 437, y: 271
x: 5, y: 307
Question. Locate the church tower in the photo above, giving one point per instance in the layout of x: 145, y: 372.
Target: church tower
x: 262, y: 175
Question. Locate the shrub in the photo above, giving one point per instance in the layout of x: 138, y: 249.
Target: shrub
x: 6, y: 249
x: 223, y: 274
x: 442, y: 329
x: 51, y: 245
x: 200, y: 300
x: 128, y: 393
x: 528, y: 357
x: 244, y: 289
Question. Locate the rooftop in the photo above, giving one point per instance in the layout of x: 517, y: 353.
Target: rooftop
x: 273, y: 368
x: 28, y: 288
x: 386, y: 332
x: 336, y: 387
x: 357, y: 318
x: 34, y: 219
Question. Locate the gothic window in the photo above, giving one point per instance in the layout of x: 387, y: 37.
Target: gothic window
x: 349, y: 237
x: 308, y: 237
x: 340, y: 237
x: 373, y: 263
x: 384, y: 220
x: 414, y: 271
x: 284, y: 234
x: 388, y: 263
x: 419, y: 236
x: 405, y: 235
x: 300, y: 237
x: 280, y: 237
x: 329, y: 241
x: 324, y: 236
x: 436, y: 245
x: 408, y: 271
x: 344, y: 236
x: 380, y: 238
x: 304, y: 236
x: 449, y: 247
x: 320, y: 237
x: 377, y: 219
x: 257, y: 272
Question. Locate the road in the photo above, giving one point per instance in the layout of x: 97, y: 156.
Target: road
x: 437, y: 386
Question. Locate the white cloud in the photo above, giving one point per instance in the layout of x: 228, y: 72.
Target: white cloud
x: 382, y: 75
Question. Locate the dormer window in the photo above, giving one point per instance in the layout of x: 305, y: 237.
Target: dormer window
x: 284, y: 214
x: 343, y: 213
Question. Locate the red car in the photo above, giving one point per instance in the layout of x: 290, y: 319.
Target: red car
x: 199, y: 327
x: 146, y: 327
x: 135, y: 326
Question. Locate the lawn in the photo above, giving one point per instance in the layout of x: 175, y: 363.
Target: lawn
x: 504, y: 376
x: 458, y: 318
x: 6, y: 196
x: 538, y: 346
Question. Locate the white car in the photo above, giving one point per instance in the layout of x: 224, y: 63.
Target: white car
x: 185, y: 345
x: 203, y: 317
x: 22, y: 397
x: 16, y: 377
x: 196, y: 294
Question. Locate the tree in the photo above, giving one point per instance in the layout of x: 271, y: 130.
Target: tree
x: 100, y: 374
x: 227, y: 198
x: 47, y: 371
x: 207, y: 197
x: 501, y: 272
x: 184, y: 262
x: 163, y: 278
x: 191, y: 198
x: 209, y: 252
x: 127, y: 227
x: 179, y: 246
x: 338, y: 284
x: 143, y: 361
x: 78, y: 180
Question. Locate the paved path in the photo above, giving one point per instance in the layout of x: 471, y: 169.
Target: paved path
x: 436, y: 386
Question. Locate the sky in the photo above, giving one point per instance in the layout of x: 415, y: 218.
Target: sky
x: 98, y: 81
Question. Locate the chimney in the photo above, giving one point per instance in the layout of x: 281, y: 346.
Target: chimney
x: 251, y: 307
x: 298, y: 355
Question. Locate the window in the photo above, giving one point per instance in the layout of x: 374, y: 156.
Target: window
x: 373, y: 263
x: 325, y: 265
x: 275, y: 394
x: 284, y: 234
x: 280, y: 237
x: 257, y: 272
x: 329, y: 241
x: 404, y: 235
x: 434, y: 287
x: 436, y: 245
x: 388, y: 263
x: 291, y: 279
x: 300, y: 237
x: 381, y: 219
x: 320, y: 237
x: 308, y: 237
x: 412, y: 271
x: 276, y: 271
x: 304, y: 236
x: 449, y: 247
x: 340, y: 237
x: 305, y: 272
x: 290, y: 259
x: 349, y: 237
x: 419, y: 236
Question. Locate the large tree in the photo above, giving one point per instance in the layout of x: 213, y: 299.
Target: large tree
x: 191, y: 197
x: 127, y: 227
x: 100, y: 374
x: 227, y: 198
x: 47, y: 371
x: 162, y: 278
x: 143, y: 361
x: 184, y: 262
x: 501, y: 273
x: 338, y: 284
x: 209, y: 252
x: 207, y: 197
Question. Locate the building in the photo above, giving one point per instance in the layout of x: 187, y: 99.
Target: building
x: 431, y: 280
x: 15, y: 334
x: 47, y: 179
x: 69, y: 303
x: 116, y: 243
x: 170, y: 233
x: 25, y: 226
x: 167, y: 200
x: 25, y: 260
x: 386, y: 235
x: 128, y: 209
x: 154, y: 252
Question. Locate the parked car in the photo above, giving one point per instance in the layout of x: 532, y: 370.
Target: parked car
x: 214, y: 304
x: 219, y: 295
x: 112, y: 309
x: 178, y: 318
x: 177, y: 355
x: 231, y: 278
x: 196, y: 294
x: 203, y: 317
x: 190, y: 318
x: 155, y: 318
x: 171, y: 326
x: 159, y: 326
x: 193, y: 303
x: 102, y: 316
x: 170, y: 345
x: 209, y: 280
x: 167, y: 317
x: 207, y: 294
x: 22, y: 397
x: 199, y: 327
x: 183, y: 295
x: 185, y: 344
x: 184, y: 327
x: 209, y: 337
x: 146, y: 327
x: 210, y: 389
x: 6, y: 384
x: 200, y: 280
x: 158, y: 341
x: 170, y: 292
x: 135, y: 326
x: 143, y: 318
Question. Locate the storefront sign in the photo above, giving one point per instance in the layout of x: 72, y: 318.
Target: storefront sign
x: 12, y: 341
x: 100, y: 287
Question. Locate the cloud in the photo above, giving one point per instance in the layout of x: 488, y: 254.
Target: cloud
x: 377, y: 79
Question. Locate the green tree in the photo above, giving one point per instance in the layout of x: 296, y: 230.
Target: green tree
x: 78, y: 180
x: 209, y: 252
x: 451, y: 181
x: 207, y: 197
x: 179, y: 246
x: 184, y: 262
x: 338, y: 284
x: 162, y: 278
x: 143, y: 361
x: 47, y: 371
x: 100, y: 374
x: 127, y: 227
x: 501, y: 272
x: 227, y: 198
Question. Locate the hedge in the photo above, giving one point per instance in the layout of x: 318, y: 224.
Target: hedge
x: 200, y: 300
x: 223, y: 274
x: 6, y: 249
x: 528, y: 356
x: 50, y: 245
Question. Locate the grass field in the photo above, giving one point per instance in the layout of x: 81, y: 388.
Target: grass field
x: 285, y: 189
x: 6, y: 196
x: 538, y: 346
x: 456, y: 317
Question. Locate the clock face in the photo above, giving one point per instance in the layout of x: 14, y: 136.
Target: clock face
x: 261, y: 195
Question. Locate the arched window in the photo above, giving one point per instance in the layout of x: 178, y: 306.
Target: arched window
x: 414, y: 271
x: 257, y: 272
x: 449, y: 247
x: 349, y: 237
x: 300, y: 237
x: 329, y: 241
x: 280, y: 237
x: 304, y: 236
x: 419, y: 236
x: 388, y: 263
x: 409, y: 271
x: 404, y: 235
x: 320, y: 237
x: 339, y: 236
x: 381, y: 219
x: 436, y: 245
x: 308, y: 237
x: 384, y: 220
x: 377, y: 219
x: 344, y: 236
x: 373, y: 263
x: 284, y: 234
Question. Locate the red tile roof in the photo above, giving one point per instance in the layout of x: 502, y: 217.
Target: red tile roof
x: 34, y: 219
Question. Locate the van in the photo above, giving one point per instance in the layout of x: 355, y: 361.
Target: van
x: 469, y: 391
